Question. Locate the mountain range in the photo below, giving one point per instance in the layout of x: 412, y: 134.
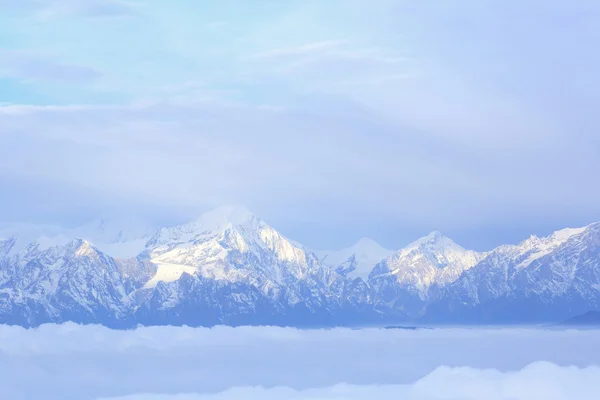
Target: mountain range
x: 231, y: 267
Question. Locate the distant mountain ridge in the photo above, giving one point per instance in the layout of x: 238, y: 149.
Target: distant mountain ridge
x: 231, y: 267
x: 590, y: 318
x: 539, y: 280
x: 356, y: 261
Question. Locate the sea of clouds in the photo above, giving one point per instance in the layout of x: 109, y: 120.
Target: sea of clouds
x: 168, y: 363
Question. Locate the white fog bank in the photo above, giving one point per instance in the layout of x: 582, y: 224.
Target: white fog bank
x: 91, y: 362
x: 539, y: 381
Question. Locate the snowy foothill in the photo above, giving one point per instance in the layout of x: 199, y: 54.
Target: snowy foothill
x: 180, y: 363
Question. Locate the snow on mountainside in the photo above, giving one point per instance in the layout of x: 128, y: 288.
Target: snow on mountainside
x: 535, y: 248
x: 21, y: 235
x: 230, y: 249
x: 231, y: 267
x: 432, y: 261
x: 119, y: 236
x: 70, y: 282
x: 231, y: 244
x: 356, y: 261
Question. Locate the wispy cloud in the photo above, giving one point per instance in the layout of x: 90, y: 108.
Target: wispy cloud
x: 309, y: 48
x: 32, y: 67
x: 445, y: 116
x: 87, y: 8
x: 238, y: 153
x: 83, y: 8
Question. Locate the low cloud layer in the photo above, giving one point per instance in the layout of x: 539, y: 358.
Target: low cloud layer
x: 34, y: 68
x: 91, y: 362
x: 539, y: 381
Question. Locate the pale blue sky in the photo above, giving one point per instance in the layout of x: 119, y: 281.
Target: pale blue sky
x: 331, y: 119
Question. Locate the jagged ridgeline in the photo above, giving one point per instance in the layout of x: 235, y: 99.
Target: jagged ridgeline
x: 231, y: 267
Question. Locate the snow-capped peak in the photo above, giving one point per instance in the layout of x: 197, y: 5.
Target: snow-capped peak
x: 434, y: 241
x: 358, y: 260
x: 431, y: 260
x: 215, y: 244
x: 439, y: 250
x: 366, y: 243
x: 115, y: 228
x: 225, y: 216
x: 80, y: 247
x: 21, y: 235
x: 207, y: 225
x: 122, y: 236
